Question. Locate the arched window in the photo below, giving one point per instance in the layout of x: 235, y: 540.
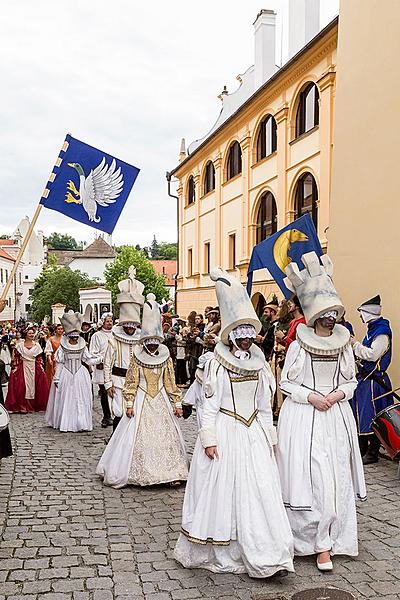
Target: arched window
x: 306, y: 197
x: 191, y: 191
x: 209, y: 178
x: 307, y: 115
x: 266, y: 217
x: 266, y: 140
x: 234, y: 166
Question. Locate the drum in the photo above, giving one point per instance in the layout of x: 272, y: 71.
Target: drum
x: 4, y: 418
x: 386, y: 425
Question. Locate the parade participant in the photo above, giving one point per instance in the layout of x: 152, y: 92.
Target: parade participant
x: 318, y: 456
x: 53, y: 343
x: 233, y: 516
x: 28, y: 389
x: 98, y: 345
x: 124, y: 337
x: 87, y: 330
x: 297, y: 319
x: 147, y: 447
x: 194, y: 395
x: 267, y: 339
x: 70, y: 401
x: 373, y: 355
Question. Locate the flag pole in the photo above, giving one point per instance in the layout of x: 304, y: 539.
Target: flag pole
x: 30, y: 229
x: 21, y: 252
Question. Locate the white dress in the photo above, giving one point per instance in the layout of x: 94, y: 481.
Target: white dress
x: 116, y: 362
x: 194, y: 395
x: 98, y: 345
x: 70, y: 401
x: 148, y: 448
x: 318, y: 455
x: 233, y: 517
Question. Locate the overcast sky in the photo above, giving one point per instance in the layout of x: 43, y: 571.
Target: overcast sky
x: 129, y: 77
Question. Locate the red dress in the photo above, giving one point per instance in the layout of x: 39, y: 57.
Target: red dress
x: 28, y: 390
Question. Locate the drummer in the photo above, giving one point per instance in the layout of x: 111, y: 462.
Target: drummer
x: 373, y: 355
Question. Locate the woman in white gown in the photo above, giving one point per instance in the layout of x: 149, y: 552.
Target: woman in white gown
x: 233, y: 517
x: 70, y: 401
x: 147, y: 447
x: 318, y: 454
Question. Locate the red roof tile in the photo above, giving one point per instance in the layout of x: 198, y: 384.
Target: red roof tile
x: 167, y: 268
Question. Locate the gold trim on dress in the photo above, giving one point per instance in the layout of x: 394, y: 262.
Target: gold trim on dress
x: 203, y: 542
x: 247, y: 422
x: 238, y: 378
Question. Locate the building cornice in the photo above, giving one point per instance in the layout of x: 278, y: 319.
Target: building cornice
x: 323, y: 44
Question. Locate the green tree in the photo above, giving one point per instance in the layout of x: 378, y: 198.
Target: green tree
x: 145, y: 272
x: 60, y: 241
x: 154, y: 249
x: 167, y: 251
x: 58, y: 284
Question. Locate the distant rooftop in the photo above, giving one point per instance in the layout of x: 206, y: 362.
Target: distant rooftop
x: 98, y: 249
x: 168, y: 268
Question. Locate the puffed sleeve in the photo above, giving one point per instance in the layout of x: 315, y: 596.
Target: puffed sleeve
x: 48, y: 348
x: 59, y: 360
x: 91, y: 359
x: 292, y: 372
x: 109, y: 360
x: 266, y: 390
x: 211, y: 404
x: 131, y: 383
x: 170, y: 384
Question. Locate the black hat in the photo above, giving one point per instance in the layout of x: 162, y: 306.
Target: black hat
x: 375, y: 301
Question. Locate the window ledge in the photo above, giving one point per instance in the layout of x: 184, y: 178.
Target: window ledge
x: 228, y: 181
x: 231, y: 270
x: 263, y: 160
x: 304, y: 135
x: 191, y: 204
x: 208, y: 194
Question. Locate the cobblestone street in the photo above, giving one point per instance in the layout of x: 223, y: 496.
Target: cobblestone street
x: 65, y: 536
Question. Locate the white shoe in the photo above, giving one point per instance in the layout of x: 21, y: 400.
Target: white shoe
x: 326, y: 566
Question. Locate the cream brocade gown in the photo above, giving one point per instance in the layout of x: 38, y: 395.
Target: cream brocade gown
x: 147, y: 449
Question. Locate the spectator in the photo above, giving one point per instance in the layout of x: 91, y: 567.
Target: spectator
x: 212, y: 329
x: 297, y: 317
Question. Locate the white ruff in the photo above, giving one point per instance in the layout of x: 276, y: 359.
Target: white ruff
x: 147, y: 360
x: 323, y: 346
x: 72, y: 347
x: 121, y: 336
x: 242, y: 367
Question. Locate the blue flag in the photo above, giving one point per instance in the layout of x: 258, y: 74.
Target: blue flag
x: 285, y: 246
x: 89, y: 185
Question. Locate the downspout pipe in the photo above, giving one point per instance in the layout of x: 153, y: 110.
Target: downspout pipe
x: 169, y: 177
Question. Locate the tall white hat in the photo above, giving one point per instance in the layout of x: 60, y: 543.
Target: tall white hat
x: 234, y: 304
x: 314, y: 287
x: 130, y: 298
x: 71, y: 321
x: 151, y: 321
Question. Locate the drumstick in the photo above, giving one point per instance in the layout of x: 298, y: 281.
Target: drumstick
x: 386, y: 394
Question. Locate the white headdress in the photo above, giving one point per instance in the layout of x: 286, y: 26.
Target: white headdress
x: 151, y: 322
x: 234, y: 304
x: 130, y: 298
x: 71, y: 321
x: 313, y: 286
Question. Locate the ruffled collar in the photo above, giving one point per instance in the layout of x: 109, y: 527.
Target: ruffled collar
x: 332, y: 345
x: 65, y: 345
x: 147, y: 360
x: 121, y: 336
x: 250, y: 366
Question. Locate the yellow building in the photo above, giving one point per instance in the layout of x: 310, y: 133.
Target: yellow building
x: 266, y: 161
x: 365, y: 206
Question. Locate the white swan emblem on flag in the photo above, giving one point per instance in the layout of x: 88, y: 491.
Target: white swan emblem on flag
x: 101, y: 187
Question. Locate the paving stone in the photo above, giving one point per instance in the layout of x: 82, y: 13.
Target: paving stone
x: 82, y: 541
